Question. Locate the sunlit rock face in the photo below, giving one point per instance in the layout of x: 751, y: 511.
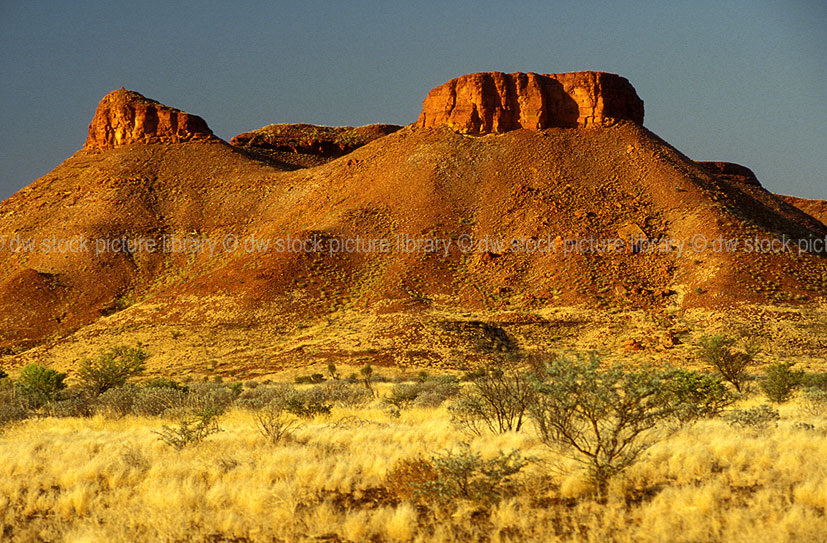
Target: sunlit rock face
x: 493, y: 102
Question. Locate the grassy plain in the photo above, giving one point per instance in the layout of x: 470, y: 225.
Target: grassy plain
x: 104, y: 479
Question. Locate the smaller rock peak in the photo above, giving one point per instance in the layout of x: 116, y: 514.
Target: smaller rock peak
x: 124, y: 116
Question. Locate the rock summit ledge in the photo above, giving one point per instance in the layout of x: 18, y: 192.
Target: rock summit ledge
x: 493, y: 102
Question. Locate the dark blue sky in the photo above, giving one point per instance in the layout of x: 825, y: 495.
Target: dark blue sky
x: 737, y: 81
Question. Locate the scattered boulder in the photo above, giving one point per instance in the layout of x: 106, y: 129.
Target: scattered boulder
x: 632, y: 345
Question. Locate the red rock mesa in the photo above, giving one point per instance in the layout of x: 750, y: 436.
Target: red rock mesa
x: 497, y: 102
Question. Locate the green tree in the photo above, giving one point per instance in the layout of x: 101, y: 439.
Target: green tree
x: 112, y: 368
x: 603, y: 418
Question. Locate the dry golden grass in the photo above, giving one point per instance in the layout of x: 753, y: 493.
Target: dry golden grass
x: 104, y: 480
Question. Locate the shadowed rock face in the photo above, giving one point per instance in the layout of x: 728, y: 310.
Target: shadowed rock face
x: 329, y: 141
x: 814, y: 208
x: 294, y: 146
x: 731, y: 172
x: 495, y: 102
x: 125, y: 116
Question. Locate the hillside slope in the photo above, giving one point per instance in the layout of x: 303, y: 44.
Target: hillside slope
x: 423, y: 247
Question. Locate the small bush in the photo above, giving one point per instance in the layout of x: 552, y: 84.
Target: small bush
x: 12, y: 409
x: 274, y: 423
x: 402, y: 395
x: 459, y: 475
x: 310, y: 379
x: 116, y: 402
x: 719, y: 352
x: 696, y: 396
x: 301, y: 403
x: 498, y: 401
x: 307, y: 404
x: 204, y: 396
x: 72, y: 403
x: 163, y: 382
x: 143, y: 401
x: 235, y: 388
x: 814, y: 402
x: 431, y: 399
x: 344, y: 394
x: 781, y: 382
x: 39, y: 384
x: 430, y: 392
x: 157, y: 401
x: 112, y: 368
x: 259, y: 397
x: 814, y: 381
x: 12, y: 412
x: 191, y: 429
x: 754, y: 418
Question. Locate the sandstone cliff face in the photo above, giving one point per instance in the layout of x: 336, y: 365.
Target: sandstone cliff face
x: 498, y: 102
x: 731, y: 172
x: 125, y: 116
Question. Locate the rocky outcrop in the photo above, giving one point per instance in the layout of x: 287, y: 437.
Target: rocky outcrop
x: 124, y: 116
x: 497, y: 102
x: 731, y: 172
x: 328, y: 141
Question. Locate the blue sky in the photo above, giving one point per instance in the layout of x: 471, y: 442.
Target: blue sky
x: 737, y: 81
